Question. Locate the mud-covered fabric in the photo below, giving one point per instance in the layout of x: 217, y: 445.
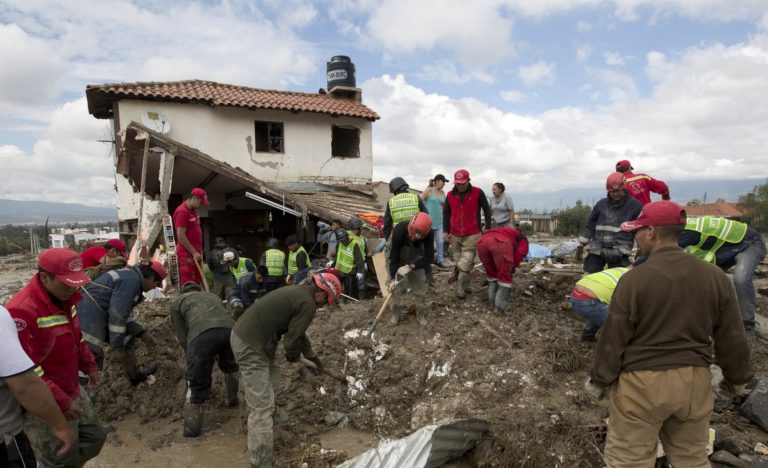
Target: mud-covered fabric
x: 202, y: 351
x: 463, y: 250
x: 603, y: 232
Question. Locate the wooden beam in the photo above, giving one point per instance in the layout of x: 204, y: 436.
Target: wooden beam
x: 208, y: 180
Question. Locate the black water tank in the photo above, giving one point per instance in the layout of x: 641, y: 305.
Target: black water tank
x: 341, y: 72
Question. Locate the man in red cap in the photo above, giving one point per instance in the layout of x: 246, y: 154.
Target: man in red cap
x: 98, y: 259
x: 462, y: 226
x: 669, y: 319
x: 49, y: 332
x: 640, y: 186
x: 189, y: 234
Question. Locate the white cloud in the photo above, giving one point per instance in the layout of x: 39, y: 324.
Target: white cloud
x: 613, y: 58
x: 513, y: 96
x: 707, y: 10
x: 583, y: 53
x: 539, y: 72
x: 445, y: 71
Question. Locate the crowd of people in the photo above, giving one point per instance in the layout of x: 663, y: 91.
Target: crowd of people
x: 659, y: 319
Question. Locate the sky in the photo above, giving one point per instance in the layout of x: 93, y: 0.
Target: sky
x: 538, y: 94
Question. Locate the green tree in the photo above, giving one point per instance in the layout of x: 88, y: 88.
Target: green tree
x: 755, y: 206
x: 694, y: 202
x: 571, y: 220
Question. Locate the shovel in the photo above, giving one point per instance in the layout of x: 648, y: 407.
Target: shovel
x: 202, y: 275
x: 333, y: 374
x: 381, y: 312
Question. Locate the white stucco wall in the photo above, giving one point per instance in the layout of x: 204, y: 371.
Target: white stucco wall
x: 222, y: 133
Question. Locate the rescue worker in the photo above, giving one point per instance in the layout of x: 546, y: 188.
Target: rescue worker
x: 728, y: 243
x: 244, y: 293
x: 285, y: 313
x: 238, y: 266
x: 462, y: 226
x: 640, y: 186
x: 189, y: 236
x: 501, y: 250
x: 669, y: 320
x: 608, y: 244
x: 271, y: 270
x: 47, y: 322
x: 350, y: 262
x: 21, y: 388
x: 298, y: 260
x: 355, y: 233
x: 402, y: 206
x: 219, y: 267
x: 105, y: 315
x: 98, y: 259
x: 413, y: 248
x: 203, y: 328
x: 591, y: 296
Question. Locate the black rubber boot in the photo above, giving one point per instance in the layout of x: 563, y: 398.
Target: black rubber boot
x: 193, y: 420
x: 502, y: 295
x: 493, y: 286
x: 232, y: 384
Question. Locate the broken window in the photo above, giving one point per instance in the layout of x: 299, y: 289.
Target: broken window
x: 345, y: 142
x: 269, y: 137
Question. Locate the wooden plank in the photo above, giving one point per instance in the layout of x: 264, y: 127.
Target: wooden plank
x: 380, y: 266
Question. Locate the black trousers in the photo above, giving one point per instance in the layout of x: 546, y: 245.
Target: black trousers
x: 595, y: 263
x: 202, y: 351
x: 18, y: 453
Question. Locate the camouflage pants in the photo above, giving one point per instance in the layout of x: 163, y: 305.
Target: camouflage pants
x: 90, y: 437
x: 463, y: 250
x: 260, y: 376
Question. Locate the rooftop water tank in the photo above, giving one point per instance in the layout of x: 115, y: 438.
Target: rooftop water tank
x: 341, y: 72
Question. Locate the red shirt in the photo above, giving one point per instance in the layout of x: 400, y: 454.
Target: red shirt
x: 640, y: 186
x: 92, y: 255
x: 516, y: 238
x: 184, y: 217
x: 50, y: 335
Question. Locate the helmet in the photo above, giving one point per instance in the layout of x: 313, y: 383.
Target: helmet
x: 220, y: 242
x: 419, y: 226
x: 190, y: 286
x: 228, y: 256
x: 330, y: 284
x: 615, y: 182
x: 398, y: 184
x: 341, y: 233
x: 355, y: 223
x: 158, y: 268
x: 272, y: 243
x: 292, y: 239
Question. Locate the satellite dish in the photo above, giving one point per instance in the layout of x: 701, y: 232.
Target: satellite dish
x: 156, y: 121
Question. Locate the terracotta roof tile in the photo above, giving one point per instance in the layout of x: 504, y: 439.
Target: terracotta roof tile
x: 727, y: 210
x: 101, y: 97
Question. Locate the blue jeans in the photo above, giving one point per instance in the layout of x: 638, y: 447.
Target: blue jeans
x: 746, y: 264
x: 594, y: 311
x: 438, y: 244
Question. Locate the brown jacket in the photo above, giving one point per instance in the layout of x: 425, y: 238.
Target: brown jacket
x: 672, y: 311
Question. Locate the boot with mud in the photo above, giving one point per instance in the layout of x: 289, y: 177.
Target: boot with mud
x: 232, y: 385
x: 193, y: 419
x: 462, y: 283
x: 394, y: 316
x: 421, y: 316
x: 493, y: 286
x: 127, y: 359
x: 502, y: 295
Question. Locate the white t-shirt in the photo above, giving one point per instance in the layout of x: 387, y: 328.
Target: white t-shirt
x: 502, y: 208
x: 14, y: 360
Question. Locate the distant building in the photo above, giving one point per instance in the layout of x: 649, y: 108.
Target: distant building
x: 546, y: 222
x: 61, y: 237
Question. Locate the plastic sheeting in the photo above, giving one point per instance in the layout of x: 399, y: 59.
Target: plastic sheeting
x: 563, y: 249
x: 429, y: 447
x: 537, y: 251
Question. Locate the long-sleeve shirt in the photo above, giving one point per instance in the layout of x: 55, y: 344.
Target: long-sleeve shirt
x: 406, y: 252
x: 603, y: 230
x: 194, y: 312
x: 672, y: 311
x: 640, y: 186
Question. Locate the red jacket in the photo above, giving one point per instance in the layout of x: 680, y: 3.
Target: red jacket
x: 461, y: 215
x: 640, y: 186
x: 51, y: 338
x: 92, y: 255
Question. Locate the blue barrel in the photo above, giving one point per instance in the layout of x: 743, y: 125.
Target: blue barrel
x: 341, y: 72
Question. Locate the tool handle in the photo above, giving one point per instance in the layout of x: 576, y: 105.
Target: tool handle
x: 328, y: 372
x: 202, y: 275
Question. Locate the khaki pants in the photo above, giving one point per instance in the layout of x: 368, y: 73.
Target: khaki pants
x: 89, y: 438
x: 673, y: 405
x: 260, y: 376
x: 463, y: 250
x: 416, y: 281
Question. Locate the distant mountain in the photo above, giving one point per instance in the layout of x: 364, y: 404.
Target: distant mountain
x: 681, y: 191
x: 35, y: 212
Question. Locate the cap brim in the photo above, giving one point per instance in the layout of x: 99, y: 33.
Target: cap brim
x: 74, y: 279
x: 631, y: 226
x: 459, y: 181
x: 204, y: 201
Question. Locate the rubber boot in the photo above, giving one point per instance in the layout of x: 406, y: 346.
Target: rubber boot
x: 193, y: 420
x: 134, y: 373
x: 461, y: 290
x: 232, y: 384
x: 502, y: 295
x: 493, y: 286
x: 394, y: 316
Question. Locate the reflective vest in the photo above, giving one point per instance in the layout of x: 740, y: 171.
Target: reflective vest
x: 723, y: 229
x: 603, y: 282
x: 292, y: 266
x: 359, y: 240
x: 240, y: 270
x: 345, y: 257
x: 403, y: 206
x: 275, y: 260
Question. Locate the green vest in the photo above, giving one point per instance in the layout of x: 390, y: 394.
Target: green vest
x: 359, y: 240
x: 403, y: 206
x: 292, y: 267
x: 240, y: 270
x: 603, y: 282
x: 723, y: 229
x: 275, y: 262
x: 345, y: 257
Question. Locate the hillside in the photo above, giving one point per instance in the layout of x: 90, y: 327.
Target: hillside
x: 35, y: 212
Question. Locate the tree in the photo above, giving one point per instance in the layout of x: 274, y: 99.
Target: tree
x: 571, y: 220
x: 755, y: 206
x: 694, y: 202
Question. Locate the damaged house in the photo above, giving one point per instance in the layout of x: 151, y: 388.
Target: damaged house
x: 272, y: 162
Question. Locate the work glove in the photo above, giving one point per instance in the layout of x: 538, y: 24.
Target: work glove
x: 359, y: 276
x: 392, y: 286
x: 236, y: 304
x: 404, y: 270
x: 329, y: 264
x: 594, y: 389
x: 318, y: 370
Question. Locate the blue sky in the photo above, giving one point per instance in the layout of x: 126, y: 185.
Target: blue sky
x: 540, y: 94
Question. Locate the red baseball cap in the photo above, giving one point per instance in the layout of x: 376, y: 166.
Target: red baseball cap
x: 659, y: 213
x: 66, y: 265
x: 158, y: 268
x: 624, y: 163
x: 198, y: 192
x: 118, y: 245
x: 460, y: 176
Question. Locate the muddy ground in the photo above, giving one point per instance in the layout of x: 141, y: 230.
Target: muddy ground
x: 523, y: 373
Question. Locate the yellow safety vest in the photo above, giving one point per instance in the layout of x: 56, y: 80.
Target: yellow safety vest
x: 292, y: 266
x: 275, y: 260
x: 240, y: 270
x: 359, y: 240
x: 603, y: 282
x: 345, y: 257
x: 403, y: 206
x: 723, y: 229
